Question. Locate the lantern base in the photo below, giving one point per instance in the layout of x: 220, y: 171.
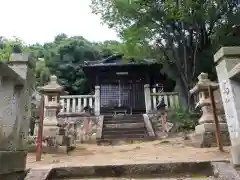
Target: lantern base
x: 204, y: 135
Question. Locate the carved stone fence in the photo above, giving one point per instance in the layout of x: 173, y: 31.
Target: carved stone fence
x: 76, y: 103
x: 170, y: 99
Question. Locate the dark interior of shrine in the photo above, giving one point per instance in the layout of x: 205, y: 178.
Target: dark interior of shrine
x: 122, y: 83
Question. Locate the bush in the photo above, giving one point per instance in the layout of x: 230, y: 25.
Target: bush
x: 184, y: 120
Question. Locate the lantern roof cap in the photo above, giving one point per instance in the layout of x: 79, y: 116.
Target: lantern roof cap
x: 203, y: 83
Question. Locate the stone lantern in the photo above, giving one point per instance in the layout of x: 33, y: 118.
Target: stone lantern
x: 51, y: 92
x: 204, y: 135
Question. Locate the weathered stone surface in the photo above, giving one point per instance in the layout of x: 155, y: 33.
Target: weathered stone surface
x: 148, y: 125
x: 50, y: 131
x: 50, y: 149
x: 204, y: 132
x: 227, y: 59
x: 99, y: 127
x: 90, y: 131
x: 20, y: 175
x: 225, y: 171
x: 16, y: 84
x: 208, y: 139
x: 125, y: 125
x: 38, y: 174
x: 136, y: 170
x: 12, y: 161
x: 210, y: 127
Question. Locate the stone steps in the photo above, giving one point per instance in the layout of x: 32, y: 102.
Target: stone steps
x: 169, y: 170
x: 123, y: 127
x: 125, y: 130
x: 124, y: 136
x: 120, y: 125
x: 181, y: 178
x: 123, y: 117
x: 121, y: 121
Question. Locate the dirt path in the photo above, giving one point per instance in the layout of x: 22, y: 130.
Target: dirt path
x: 147, y: 152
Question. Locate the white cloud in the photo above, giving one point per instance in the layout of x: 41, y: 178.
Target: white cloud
x: 40, y: 20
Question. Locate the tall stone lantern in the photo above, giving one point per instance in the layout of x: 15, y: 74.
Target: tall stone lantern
x: 204, y: 135
x: 51, y: 92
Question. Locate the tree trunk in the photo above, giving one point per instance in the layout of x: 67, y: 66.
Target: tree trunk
x: 183, y: 93
x: 180, y: 87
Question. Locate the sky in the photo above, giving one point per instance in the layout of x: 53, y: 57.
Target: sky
x: 39, y: 21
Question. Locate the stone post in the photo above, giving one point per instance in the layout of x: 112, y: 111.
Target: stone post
x: 97, y: 101
x: 228, y: 71
x: 24, y: 67
x: 15, y: 116
x: 205, y: 132
x: 147, y: 98
x: 51, y: 92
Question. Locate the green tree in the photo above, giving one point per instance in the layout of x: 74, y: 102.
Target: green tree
x: 182, y: 34
x: 64, y: 58
x: 42, y: 73
x: 8, y: 46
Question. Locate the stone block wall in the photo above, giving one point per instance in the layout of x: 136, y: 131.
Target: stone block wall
x: 86, y: 130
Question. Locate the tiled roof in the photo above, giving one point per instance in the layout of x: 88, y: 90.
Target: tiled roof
x: 117, y: 60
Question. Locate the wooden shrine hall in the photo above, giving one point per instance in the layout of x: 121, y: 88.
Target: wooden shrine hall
x: 123, y: 85
x: 124, y: 95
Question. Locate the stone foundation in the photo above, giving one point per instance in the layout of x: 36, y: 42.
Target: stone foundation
x: 12, y: 162
x: 50, y: 149
x: 204, y: 135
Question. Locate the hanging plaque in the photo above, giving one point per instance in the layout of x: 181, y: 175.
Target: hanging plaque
x: 122, y: 73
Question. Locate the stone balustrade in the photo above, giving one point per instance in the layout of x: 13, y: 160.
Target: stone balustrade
x: 170, y: 99
x: 76, y: 103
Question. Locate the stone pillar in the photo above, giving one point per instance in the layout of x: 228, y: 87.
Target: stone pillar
x: 51, y: 92
x: 24, y: 67
x: 97, y: 101
x: 205, y: 132
x: 228, y: 63
x: 147, y: 97
x: 15, y: 116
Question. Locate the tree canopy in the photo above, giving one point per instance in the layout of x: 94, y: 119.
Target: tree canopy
x: 182, y: 34
x: 63, y: 57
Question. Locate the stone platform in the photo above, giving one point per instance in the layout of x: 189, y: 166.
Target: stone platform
x: 167, y: 151
x: 12, y: 164
x: 176, y: 170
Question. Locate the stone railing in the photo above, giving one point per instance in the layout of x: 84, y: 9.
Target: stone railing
x: 76, y: 103
x: 170, y: 99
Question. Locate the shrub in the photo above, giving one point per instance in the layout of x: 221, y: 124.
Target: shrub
x: 184, y: 120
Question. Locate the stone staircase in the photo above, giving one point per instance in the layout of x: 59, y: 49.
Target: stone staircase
x: 124, y: 127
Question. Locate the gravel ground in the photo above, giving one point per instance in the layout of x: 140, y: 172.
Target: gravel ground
x: 168, y: 150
